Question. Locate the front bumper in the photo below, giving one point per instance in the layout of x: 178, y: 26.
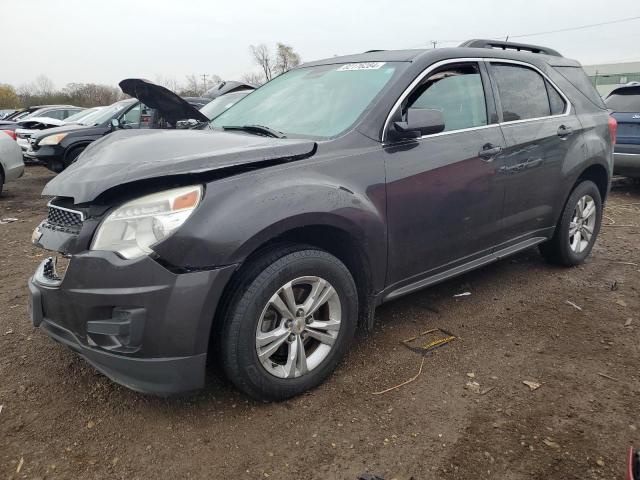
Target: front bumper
x: 140, y: 324
x: 49, y: 155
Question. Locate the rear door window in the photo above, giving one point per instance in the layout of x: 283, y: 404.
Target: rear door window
x: 523, y: 93
x: 456, y: 91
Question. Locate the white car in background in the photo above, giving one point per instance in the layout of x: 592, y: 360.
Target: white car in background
x: 11, y: 164
x: 28, y: 127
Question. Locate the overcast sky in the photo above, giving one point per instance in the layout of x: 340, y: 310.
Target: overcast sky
x: 104, y: 41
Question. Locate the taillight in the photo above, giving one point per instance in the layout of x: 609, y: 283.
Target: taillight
x: 613, y: 129
x: 11, y: 133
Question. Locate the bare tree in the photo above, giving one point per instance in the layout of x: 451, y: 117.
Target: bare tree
x: 286, y: 58
x: 253, y: 78
x: 168, y: 82
x: 195, y: 86
x: 43, y: 86
x: 262, y: 56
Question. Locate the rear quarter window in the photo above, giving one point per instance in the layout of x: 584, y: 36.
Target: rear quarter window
x: 579, y: 79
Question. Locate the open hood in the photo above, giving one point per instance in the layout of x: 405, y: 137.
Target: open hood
x: 170, y: 105
x: 128, y: 156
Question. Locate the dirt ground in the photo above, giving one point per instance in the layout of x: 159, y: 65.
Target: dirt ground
x: 59, y: 418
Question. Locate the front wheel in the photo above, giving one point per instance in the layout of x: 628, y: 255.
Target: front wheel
x: 289, y: 323
x: 578, y: 227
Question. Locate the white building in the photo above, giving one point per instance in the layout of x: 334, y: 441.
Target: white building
x: 608, y: 76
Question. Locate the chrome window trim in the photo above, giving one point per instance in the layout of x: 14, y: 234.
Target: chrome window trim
x: 441, y: 63
x: 568, y: 105
x: 50, y: 205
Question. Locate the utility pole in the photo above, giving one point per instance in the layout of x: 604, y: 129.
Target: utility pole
x: 434, y: 43
x: 204, y: 81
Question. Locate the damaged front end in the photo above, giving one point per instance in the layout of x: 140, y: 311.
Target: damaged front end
x: 135, y: 321
x: 103, y: 290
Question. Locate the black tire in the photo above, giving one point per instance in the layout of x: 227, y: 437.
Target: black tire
x: 252, y: 291
x: 558, y: 250
x: 1, y: 180
x: 72, y: 156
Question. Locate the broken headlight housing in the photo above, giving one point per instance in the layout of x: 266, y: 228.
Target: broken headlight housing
x: 133, y: 228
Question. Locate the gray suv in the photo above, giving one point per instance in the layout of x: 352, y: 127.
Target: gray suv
x: 264, y: 239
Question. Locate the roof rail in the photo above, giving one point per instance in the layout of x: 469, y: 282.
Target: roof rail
x: 520, y: 47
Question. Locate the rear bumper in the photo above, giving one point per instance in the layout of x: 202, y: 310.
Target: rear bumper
x: 626, y: 160
x: 138, y: 323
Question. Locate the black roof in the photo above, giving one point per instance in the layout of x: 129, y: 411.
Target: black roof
x: 480, y: 49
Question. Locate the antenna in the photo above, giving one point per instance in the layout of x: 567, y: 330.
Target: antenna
x: 434, y: 43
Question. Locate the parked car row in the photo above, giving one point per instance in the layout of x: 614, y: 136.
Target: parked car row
x: 262, y: 239
x: 55, y: 135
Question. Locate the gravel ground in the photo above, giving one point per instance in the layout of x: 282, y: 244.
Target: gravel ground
x: 59, y: 418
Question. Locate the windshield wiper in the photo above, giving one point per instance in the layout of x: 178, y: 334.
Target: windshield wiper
x: 258, y: 129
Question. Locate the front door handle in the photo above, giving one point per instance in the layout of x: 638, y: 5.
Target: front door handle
x: 564, y: 131
x: 489, y: 151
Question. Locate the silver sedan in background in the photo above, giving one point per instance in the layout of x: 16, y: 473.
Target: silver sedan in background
x: 11, y: 164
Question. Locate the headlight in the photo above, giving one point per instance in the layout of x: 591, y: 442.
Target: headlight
x: 53, y: 139
x: 133, y: 228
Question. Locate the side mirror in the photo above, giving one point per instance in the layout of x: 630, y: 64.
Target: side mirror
x: 420, y: 121
x: 115, y: 124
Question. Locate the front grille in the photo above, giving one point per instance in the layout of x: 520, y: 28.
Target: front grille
x: 64, y: 218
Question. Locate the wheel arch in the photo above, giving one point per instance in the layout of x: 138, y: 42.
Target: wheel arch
x: 334, y: 238
x: 599, y: 175
x: 75, y: 146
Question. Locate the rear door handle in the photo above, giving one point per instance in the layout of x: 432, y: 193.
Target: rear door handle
x: 489, y: 151
x: 564, y: 131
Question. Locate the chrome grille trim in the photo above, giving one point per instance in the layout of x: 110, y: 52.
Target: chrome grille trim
x: 64, y: 217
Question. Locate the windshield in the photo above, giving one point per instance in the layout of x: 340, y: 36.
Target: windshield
x: 106, y: 113
x: 77, y: 116
x: 215, y: 107
x: 315, y: 102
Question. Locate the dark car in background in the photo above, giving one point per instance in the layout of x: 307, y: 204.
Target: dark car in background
x: 624, y: 103
x: 262, y: 242
x: 153, y: 107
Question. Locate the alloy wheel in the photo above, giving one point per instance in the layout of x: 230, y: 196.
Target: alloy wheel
x: 582, y: 224
x: 298, y: 327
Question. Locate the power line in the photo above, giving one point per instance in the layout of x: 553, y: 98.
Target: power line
x: 629, y: 19
x: 547, y: 32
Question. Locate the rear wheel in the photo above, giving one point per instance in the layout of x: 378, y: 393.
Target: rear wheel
x: 1, y: 180
x: 578, y: 227
x: 289, y: 323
